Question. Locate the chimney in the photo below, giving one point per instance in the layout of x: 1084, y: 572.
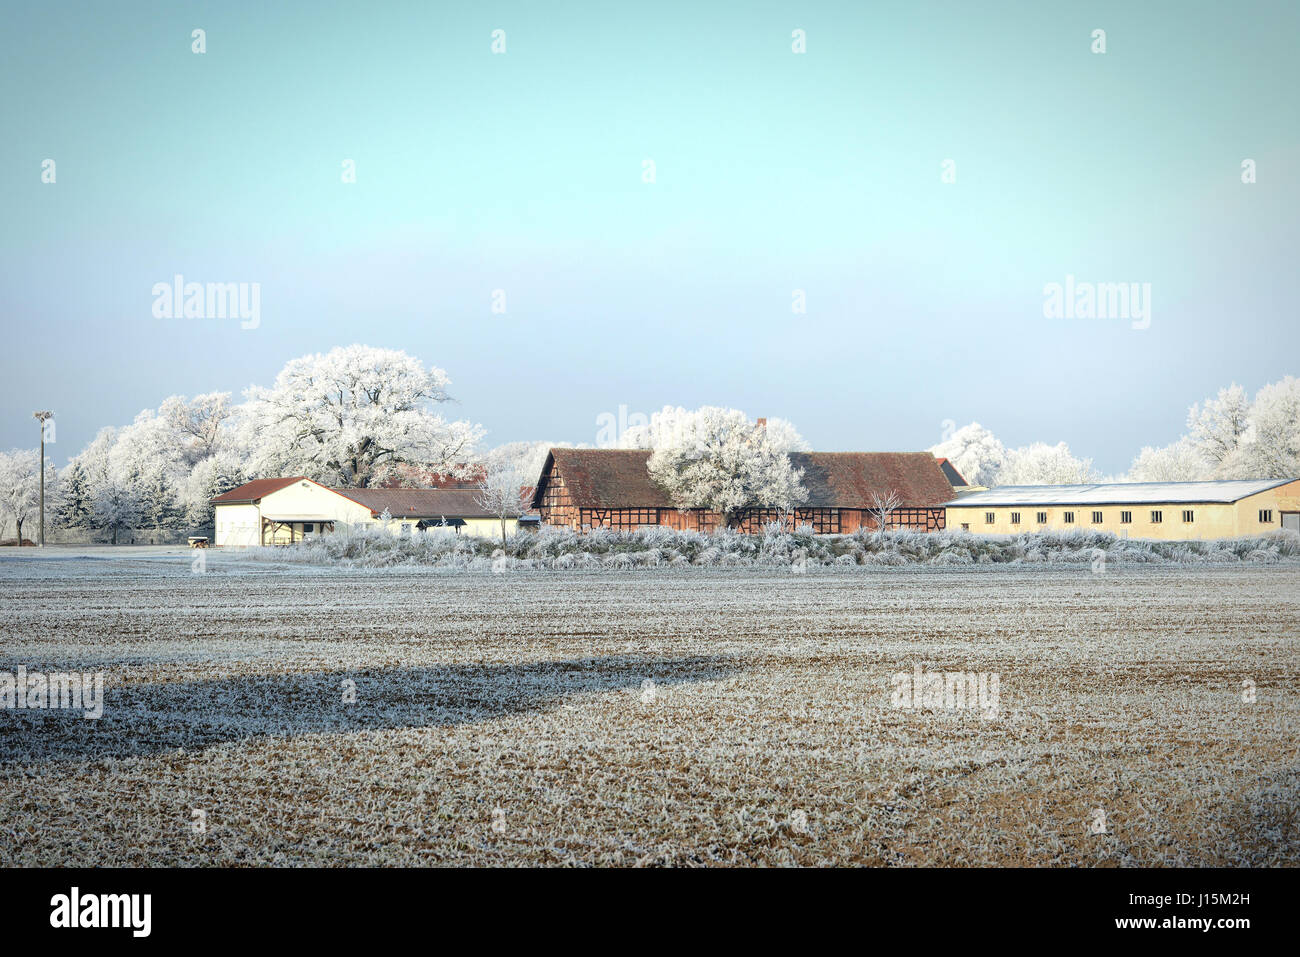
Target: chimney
x: 762, y: 423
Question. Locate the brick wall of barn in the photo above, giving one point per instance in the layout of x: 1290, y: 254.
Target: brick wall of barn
x: 824, y: 521
x: 557, y: 508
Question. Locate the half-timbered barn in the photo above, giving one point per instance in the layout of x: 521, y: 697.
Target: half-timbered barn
x: 612, y: 488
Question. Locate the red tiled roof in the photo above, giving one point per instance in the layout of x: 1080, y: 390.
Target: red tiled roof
x: 848, y: 479
x: 618, y: 478
x: 250, y: 492
x: 607, y: 478
x: 419, y: 502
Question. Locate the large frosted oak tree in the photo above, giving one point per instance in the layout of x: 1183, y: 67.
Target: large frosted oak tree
x: 351, y: 416
x: 717, y: 459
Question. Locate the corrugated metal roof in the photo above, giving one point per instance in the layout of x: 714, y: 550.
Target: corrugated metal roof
x: 1122, y: 493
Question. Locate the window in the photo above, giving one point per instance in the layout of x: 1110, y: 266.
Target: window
x: 965, y: 526
x: 1266, y: 516
x: 1068, y: 518
x: 308, y: 527
x: 1189, y: 515
x: 1096, y: 518
x: 1042, y: 518
x: 1125, y: 517
x: 1015, y: 518
x: 1157, y: 516
x: 988, y: 518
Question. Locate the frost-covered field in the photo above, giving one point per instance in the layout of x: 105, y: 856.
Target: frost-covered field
x: 507, y: 719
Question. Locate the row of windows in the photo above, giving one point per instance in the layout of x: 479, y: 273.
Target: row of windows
x: 1125, y: 517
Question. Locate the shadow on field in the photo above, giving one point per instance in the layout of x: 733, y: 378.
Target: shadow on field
x: 148, y: 719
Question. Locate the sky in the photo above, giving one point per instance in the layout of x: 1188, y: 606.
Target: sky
x: 778, y: 177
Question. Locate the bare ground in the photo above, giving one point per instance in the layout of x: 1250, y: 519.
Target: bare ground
x: 506, y: 719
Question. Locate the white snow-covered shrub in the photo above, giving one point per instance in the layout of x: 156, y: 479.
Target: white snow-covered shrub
x: 563, y: 549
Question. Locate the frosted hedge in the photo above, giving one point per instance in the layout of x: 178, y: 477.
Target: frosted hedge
x: 563, y: 549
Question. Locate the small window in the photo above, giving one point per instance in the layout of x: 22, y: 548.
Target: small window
x: 1015, y: 518
x: 1125, y: 518
x: 965, y: 526
x: 308, y: 527
x: 1068, y: 518
x: 1189, y: 515
x: 1157, y: 516
x: 1266, y: 516
x: 1096, y: 518
x: 988, y: 518
x: 1042, y: 518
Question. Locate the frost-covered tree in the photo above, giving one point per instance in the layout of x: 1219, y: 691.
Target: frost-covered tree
x: 667, y: 426
x: 504, y: 491
x: 77, y: 501
x: 20, y: 486
x: 662, y: 426
x: 198, y: 426
x: 1043, y: 464
x: 1272, y: 449
x: 975, y: 452
x: 117, y: 505
x: 1179, y: 462
x: 883, y: 504
x: 1216, y: 429
x: 350, y: 416
x: 717, y: 459
x: 213, y: 476
x: 782, y: 434
x: 527, y: 458
x: 159, y: 506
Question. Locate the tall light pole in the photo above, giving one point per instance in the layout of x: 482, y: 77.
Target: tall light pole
x: 41, y: 417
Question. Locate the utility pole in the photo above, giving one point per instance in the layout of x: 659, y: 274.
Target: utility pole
x: 41, y: 417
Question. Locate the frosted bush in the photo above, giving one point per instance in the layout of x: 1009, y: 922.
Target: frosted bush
x: 564, y: 549
x: 954, y: 557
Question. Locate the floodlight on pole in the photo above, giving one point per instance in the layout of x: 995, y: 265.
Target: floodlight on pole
x: 41, y: 417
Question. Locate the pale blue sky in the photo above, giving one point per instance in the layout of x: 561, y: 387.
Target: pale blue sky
x: 775, y: 172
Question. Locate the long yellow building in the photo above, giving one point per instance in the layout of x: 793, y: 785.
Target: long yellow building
x: 1168, y: 510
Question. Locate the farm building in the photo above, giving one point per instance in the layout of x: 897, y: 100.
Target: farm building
x: 1171, y: 510
x: 958, y: 482
x: 278, y: 511
x: 612, y: 488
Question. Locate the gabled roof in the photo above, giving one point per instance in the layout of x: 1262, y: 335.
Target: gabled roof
x: 419, y: 502
x: 251, y: 492
x: 1123, y: 493
x: 849, y: 479
x: 950, y: 472
x: 605, y: 478
x: 618, y: 478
